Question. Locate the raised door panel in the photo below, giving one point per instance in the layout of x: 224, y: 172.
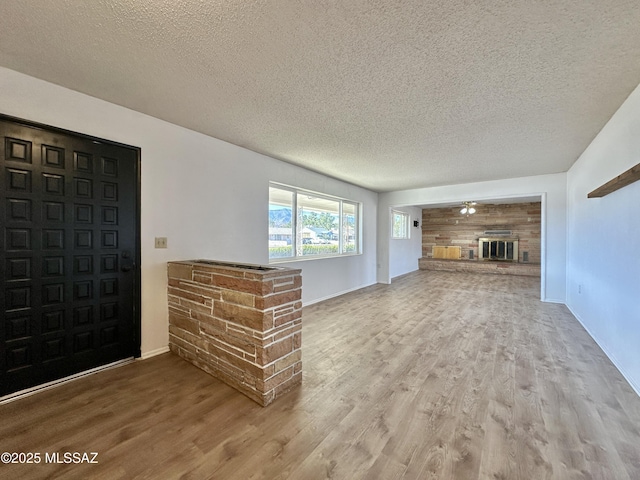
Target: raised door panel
x: 70, y: 223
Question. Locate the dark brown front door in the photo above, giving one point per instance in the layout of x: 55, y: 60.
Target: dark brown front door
x: 69, y: 254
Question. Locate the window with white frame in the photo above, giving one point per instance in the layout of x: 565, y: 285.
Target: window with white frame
x: 307, y: 224
x: 399, y: 224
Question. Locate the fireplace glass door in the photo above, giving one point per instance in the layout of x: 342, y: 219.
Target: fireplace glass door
x: 503, y: 249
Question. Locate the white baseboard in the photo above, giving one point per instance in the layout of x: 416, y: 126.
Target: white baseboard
x: 553, y: 300
x: 610, y: 356
x: 344, y: 292
x: 153, y: 353
x: 404, y: 274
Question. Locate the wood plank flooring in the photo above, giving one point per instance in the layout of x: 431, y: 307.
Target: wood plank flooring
x: 437, y: 376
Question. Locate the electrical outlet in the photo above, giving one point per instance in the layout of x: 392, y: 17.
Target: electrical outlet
x: 161, y: 242
x: 580, y: 288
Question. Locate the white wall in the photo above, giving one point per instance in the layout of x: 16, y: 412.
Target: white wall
x: 550, y: 188
x: 404, y: 254
x: 210, y: 198
x: 603, y: 260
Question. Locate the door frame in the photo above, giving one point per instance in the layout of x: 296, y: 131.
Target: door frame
x: 137, y: 294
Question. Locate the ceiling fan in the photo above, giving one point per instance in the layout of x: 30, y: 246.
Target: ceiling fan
x: 468, y: 208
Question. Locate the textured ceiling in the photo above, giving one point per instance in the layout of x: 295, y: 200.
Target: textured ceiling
x: 385, y: 94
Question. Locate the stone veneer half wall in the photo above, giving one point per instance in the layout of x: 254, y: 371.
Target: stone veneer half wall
x: 241, y: 324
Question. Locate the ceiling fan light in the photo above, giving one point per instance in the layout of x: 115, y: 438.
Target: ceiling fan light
x: 472, y: 210
x: 463, y: 211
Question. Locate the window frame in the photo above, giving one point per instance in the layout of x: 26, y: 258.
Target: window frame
x: 296, y: 231
x: 406, y: 231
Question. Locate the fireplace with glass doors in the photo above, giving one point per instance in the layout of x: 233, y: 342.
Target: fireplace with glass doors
x: 498, y: 249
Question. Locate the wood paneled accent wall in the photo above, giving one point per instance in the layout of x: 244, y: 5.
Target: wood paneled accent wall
x: 447, y: 227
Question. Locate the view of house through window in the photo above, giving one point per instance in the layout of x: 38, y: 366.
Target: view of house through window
x: 303, y: 223
x: 400, y: 224
x: 349, y: 226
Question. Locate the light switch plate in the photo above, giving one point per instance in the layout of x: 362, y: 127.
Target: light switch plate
x: 161, y: 242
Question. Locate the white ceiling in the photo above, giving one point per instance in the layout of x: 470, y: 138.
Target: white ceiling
x: 385, y: 94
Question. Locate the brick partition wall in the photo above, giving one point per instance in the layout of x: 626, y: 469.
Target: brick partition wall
x: 241, y: 324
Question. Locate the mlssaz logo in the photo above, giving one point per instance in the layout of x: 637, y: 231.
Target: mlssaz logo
x: 71, y: 457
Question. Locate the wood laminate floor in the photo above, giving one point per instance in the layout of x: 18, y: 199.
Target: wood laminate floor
x: 437, y: 376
